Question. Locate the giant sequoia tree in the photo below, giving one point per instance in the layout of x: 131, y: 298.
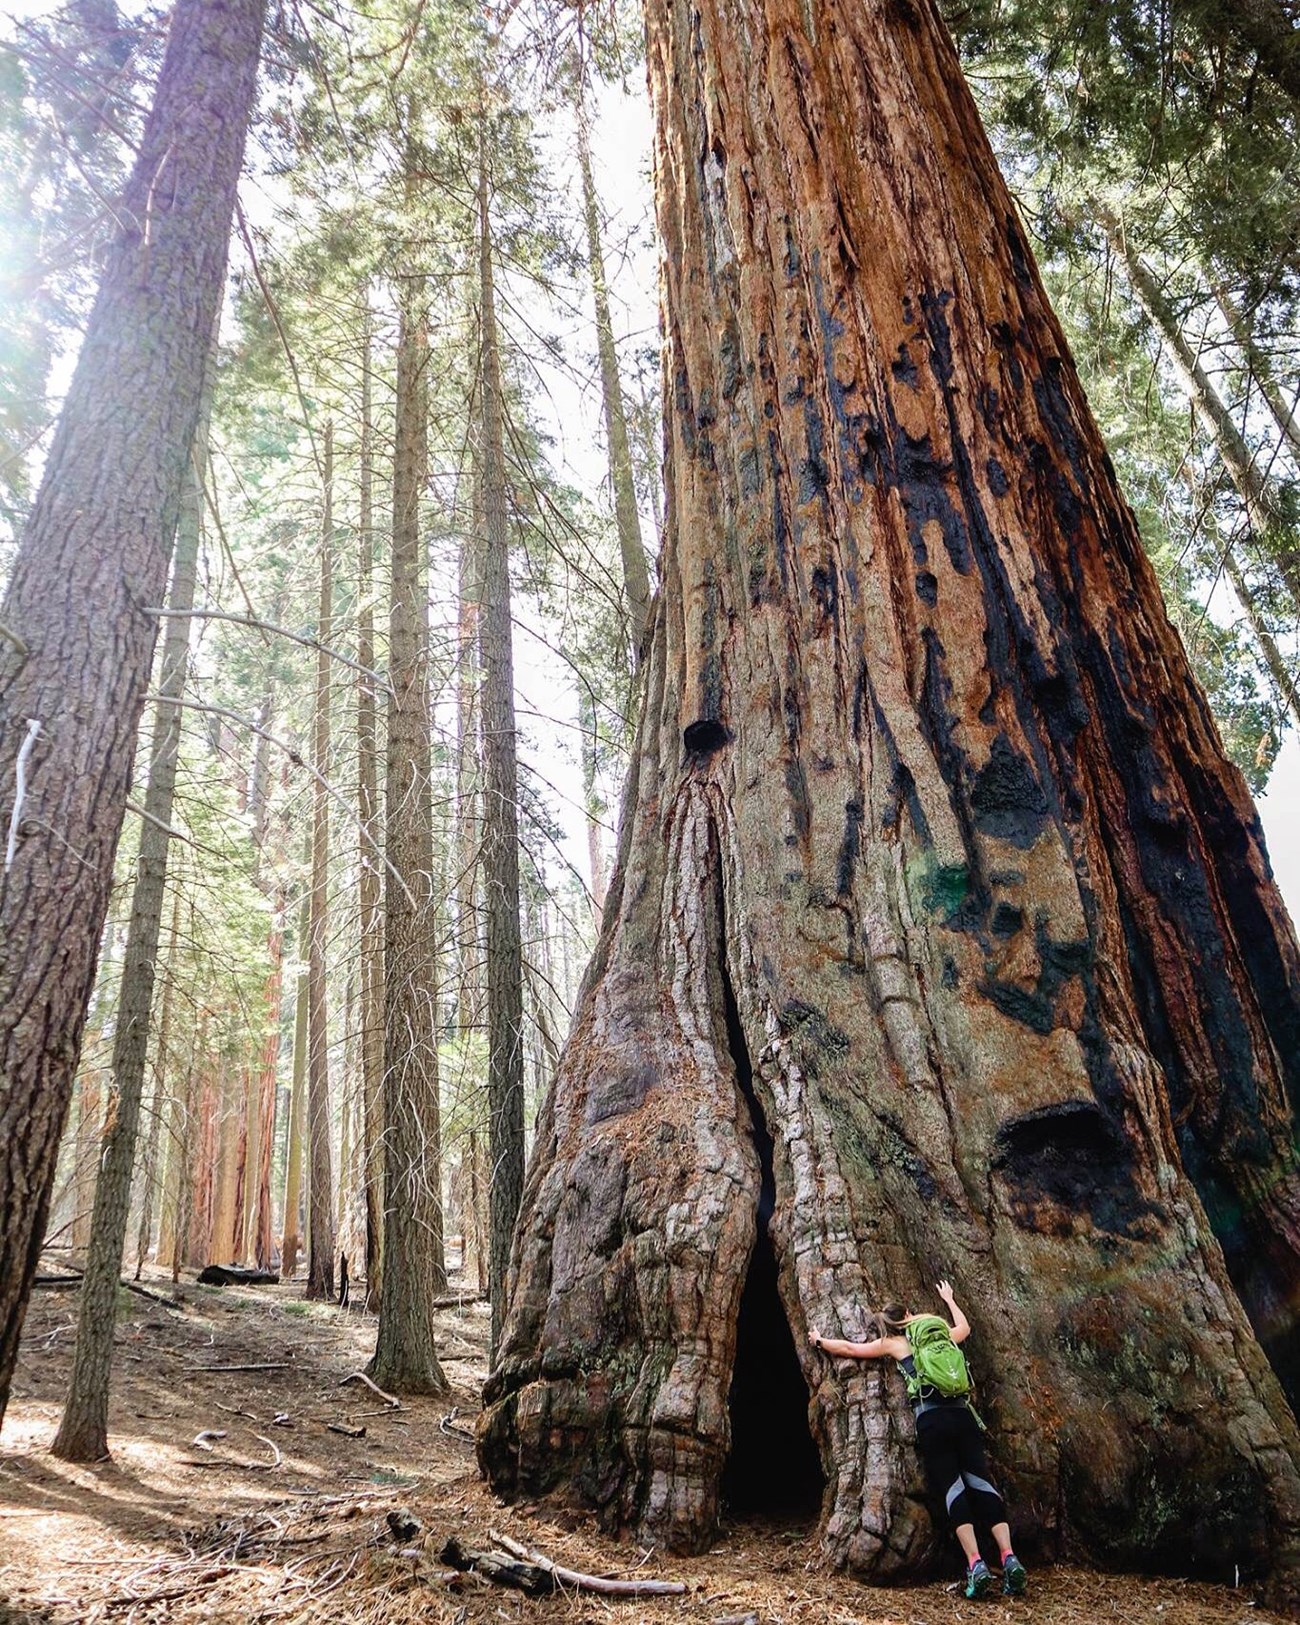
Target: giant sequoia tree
x: 943, y: 940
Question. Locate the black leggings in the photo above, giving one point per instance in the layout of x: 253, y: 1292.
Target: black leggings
x: 952, y: 1451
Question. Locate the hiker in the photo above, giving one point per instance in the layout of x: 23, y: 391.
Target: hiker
x: 948, y: 1433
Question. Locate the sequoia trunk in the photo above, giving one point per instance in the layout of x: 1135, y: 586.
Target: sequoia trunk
x: 942, y: 940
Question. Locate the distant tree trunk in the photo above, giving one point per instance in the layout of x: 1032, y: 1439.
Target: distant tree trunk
x: 1275, y: 535
x: 636, y: 574
x: 371, y: 923
x: 75, y: 663
x: 258, y: 1224
x: 942, y: 940
x: 413, y: 1267
x: 469, y: 828
x: 161, y: 1096
x: 320, y: 1183
x: 83, y: 1432
x: 228, y: 1148
x: 85, y: 1148
x: 291, y: 1240
x: 500, y: 869
x: 1260, y: 367
x: 1278, y: 668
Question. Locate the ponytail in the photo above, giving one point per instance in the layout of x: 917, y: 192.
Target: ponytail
x: 890, y: 1319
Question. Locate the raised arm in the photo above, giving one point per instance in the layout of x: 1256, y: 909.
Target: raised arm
x: 960, y: 1325
x: 896, y: 1347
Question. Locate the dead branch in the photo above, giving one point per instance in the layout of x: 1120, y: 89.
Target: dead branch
x: 526, y: 1577
x: 273, y: 1448
x: 347, y: 1432
x: 449, y: 1424
x: 587, y: 1582
x: 264, y: 1365
x: 360, y: 1376
x: 204, y: 1439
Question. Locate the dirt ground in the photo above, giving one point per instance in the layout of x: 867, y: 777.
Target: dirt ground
x: 281, y: 1520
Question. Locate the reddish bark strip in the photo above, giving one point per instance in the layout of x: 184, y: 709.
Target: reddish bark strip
x: 940, y: 913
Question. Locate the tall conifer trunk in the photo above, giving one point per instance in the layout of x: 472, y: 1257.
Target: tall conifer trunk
x: 500, y: 869
x: 942, y: 940
x: 74, y: 663
x: 320, y: 1180
x: 368, y: 885
x: 413, y: 1267
x: 83, y: 1431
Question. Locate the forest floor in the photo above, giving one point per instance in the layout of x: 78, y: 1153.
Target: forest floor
x: 283, y: 1521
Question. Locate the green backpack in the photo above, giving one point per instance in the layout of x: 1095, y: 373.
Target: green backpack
x: 939, y: 1364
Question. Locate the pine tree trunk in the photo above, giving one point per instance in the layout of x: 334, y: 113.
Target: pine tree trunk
x: 291, y: 1240
x: 259, y: 1223
x: 320, y: 1182
x: 1276, y: 536
x: 1260, y: 367
x: 413, y: 1268
x: 371, y: 925
x: 505, y: 968
x: 942, y: 939
x: 161, y: 1095
x: 93, y: 561
x: 467, y: 889
x: 83, y: 1431
x: 636, y: 574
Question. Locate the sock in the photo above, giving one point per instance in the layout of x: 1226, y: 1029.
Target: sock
x: 1005, y: 1555
x: 972, y: 1561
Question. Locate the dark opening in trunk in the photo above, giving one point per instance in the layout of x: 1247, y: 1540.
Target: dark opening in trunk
x: 773, y: 1465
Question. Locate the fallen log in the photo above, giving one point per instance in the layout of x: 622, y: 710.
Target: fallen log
x: 588, y: 1582
x: 236, y: 1275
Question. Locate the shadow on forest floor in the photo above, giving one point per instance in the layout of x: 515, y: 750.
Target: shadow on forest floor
x: 281, y: 1520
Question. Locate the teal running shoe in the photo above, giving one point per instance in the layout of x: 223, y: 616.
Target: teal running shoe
x: 1014, y: 1577
x: 979, y: 1580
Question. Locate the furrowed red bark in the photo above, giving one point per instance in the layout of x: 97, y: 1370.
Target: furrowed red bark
x: 93, y: 559
x: 942, y: 939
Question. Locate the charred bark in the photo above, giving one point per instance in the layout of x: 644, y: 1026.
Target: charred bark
x: 924, y: 778
x: 93, y: 560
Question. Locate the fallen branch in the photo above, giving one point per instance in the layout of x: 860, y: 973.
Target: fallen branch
x: 266, y: 1365
x: 360, y: 1376
x: 588, y: 1582
x: 454, y: 1300
x: 526, y: 1577
x: 449, y: 1424
x: 56, y: 1282
x: 347, y: 1432
x: 273, y: 1448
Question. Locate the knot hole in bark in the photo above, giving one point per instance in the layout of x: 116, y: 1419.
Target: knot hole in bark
x: 773, y: 1465
x: 704, y: 736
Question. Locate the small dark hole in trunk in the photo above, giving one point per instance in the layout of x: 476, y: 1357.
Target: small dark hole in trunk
x: 704, y: 737
x: 773, y: 1467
